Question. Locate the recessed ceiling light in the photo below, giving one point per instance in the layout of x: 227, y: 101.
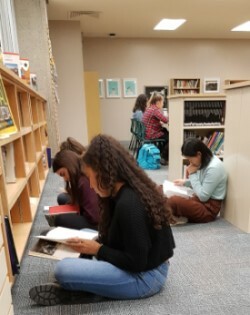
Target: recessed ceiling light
x: 169, y: 24
x: 245, y: 27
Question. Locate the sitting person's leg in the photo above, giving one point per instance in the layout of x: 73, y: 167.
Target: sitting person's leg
x: 193, y: 209
x: 100, y: 278
x: 73, y: 221
x: 63, y: 198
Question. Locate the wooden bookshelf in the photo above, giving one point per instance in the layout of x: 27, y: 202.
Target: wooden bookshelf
x: 185, y: 86
x: 20, y: 197
x: 237, y: 155
x: 192, y: 116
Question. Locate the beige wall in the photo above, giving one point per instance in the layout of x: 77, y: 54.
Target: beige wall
x: 155, y: 62
x: 67, y: 50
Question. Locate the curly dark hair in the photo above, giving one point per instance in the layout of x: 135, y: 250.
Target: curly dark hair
x: 140, y: 103
x: 113, y: 163
x: 72, y: 162
x: 72, y: 145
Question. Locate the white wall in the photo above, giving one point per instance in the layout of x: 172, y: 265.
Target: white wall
x: 155, y: 62
x: 67, y: 51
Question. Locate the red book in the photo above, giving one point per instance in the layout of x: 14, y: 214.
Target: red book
x: 54, y: 210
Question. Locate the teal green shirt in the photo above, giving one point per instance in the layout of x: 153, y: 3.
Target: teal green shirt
x: 209, y: 182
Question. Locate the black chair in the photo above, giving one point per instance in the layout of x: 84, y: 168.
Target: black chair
x: 133, y: 134
x: 140, y: 138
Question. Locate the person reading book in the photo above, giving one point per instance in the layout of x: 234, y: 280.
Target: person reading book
x: 67, y: 164
x: 135, y: 242
x: 208, y: 179
x: 73, y: 145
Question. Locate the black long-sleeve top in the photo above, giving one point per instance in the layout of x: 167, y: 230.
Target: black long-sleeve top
x: 133, y: 243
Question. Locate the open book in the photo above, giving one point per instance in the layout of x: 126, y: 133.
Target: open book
x: 62, y: 234
x: 51, y: 243
x: 170, y: 189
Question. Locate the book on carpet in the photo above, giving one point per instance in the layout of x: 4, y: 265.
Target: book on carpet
x: 51, y: 211
x: 52, y: 250
x: 51, y: 243
x: 170, y: 189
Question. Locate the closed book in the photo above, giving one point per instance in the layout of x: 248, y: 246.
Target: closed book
x: 52, y: 211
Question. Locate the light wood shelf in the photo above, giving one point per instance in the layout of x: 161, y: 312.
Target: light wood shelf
x: 20, y: 198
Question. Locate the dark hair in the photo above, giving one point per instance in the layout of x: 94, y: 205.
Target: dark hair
x: 192, y: 146
x: 113, y: 163
x: 72, y: 145
x: 140, y: 103
x: 72, y: 162
x: 155, y: 98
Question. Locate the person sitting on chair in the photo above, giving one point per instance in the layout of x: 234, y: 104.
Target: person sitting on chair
x: 153, y: 120
x: 140, y: 107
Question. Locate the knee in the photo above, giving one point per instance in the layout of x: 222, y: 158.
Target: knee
x: 63, y: 199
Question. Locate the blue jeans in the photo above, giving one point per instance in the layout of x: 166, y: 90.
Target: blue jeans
x: 103, y: 278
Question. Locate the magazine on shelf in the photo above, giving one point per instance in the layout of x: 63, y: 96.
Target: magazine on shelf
x: 170, y: 189
x: 7, y: 124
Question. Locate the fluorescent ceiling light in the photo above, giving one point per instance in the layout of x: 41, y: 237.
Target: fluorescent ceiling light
x: 245, y: 27
x: 169, y: 24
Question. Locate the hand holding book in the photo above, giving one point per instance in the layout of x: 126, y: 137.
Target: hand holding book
x: 89, y: 247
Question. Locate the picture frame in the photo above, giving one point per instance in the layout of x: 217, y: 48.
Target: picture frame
x: 129, y: 87
x: 101, y: 88
x: 211, y: 85
x: 113, y: 88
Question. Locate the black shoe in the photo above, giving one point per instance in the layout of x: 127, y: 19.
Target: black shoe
x: 52, y: 294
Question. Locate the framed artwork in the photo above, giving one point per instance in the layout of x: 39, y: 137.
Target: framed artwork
x: 113, y: 88
x: 211, y: 85
x: 129, y: 88
x: 101, y: 88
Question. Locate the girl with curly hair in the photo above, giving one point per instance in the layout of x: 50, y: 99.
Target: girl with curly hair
x: 135, y: 239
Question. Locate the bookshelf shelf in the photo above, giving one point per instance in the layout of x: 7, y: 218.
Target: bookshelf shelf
x: 28, y: 166
x: 194, y: 116
x: 185, y: 86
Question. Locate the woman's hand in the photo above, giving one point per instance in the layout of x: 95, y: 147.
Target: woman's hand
x: 89, y: 247
x: 192, y: 168
x: 179, y: 182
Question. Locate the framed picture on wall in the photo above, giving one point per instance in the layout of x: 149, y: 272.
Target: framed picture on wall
x: 129, y: 87
x: 113, y: 88
x: 101, y: 88
x: 211, y: 85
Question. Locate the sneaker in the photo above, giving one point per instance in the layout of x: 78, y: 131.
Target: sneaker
x: 52, y: 294
x: 179, y: 220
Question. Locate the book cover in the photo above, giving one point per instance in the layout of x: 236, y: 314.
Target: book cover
x: 25, y: 69
x: 12, y: 61
x: 52, y: 250
x: 7, y: 123
x: 170, y: 189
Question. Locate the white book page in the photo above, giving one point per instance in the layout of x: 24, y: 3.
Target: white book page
x: 170, y: 189
x: 61, y: 234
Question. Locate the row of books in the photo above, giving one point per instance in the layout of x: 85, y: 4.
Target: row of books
x: 214, y: 140
x: 204, y: 113
x: 187, y: 83
x: 20, y: 66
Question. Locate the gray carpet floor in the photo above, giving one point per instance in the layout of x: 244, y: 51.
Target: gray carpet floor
x: 209, y: 273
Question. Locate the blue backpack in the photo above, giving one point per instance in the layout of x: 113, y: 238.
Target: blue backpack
x: 149, y: 157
